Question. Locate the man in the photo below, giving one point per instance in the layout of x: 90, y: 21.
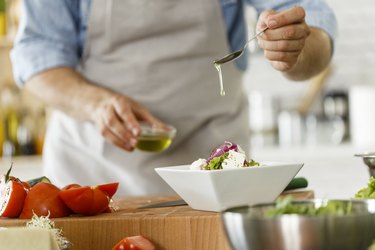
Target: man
x: 107, y: 65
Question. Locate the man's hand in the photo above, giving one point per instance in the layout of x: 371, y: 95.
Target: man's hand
x: 291, y: 46
x: 116, y: 116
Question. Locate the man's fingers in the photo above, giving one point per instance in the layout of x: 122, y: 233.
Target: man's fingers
x: 125, y: 113
x: 289, y: 32
x: 263, y: 18
x: 280, y: 56
x: 118, y: 120
x: 281, y: 66
x: 290, y: 16
x: 113, y: 128
x: 282, y: 45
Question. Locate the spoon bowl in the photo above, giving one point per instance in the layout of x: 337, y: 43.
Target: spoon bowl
x: 234, y: 55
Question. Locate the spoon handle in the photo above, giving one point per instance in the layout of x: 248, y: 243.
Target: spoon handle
x: 255, y: 36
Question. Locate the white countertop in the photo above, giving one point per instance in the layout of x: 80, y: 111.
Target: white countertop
x: 332, y: 171
x: 24, y: 167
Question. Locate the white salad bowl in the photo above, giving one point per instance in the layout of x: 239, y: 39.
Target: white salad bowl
x: 217, y: 190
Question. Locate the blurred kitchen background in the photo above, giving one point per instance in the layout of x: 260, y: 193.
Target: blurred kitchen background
x: 22, y: 118
x: 315, y: 121
x: 317, y: 112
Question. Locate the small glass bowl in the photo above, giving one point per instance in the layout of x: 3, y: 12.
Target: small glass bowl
x: 154, y: 139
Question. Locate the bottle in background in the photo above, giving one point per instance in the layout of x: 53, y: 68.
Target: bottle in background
x: 40, y: 130
x: 2, y: 131
x: 3, y: 23
x: 25, y: 133
x: 10, y: 104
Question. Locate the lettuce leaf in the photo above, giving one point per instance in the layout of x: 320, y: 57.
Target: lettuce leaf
x: 367, y: 192
x: 216, y: 162
x: 285, y: 206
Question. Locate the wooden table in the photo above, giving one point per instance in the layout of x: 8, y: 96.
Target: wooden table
x: 178, y: 227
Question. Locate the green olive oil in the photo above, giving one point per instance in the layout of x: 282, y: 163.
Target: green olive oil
x: 153, y: 143
x: 218, y: 68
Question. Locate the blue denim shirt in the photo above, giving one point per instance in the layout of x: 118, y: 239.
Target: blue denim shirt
x: 52, y: 32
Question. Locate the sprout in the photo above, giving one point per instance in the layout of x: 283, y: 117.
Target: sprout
x: 45, y: 223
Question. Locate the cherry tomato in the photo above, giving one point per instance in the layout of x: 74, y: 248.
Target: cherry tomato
x: 89, y: 200
x: 137, y: 242
x: 12, y: 197
x: 43, y: 199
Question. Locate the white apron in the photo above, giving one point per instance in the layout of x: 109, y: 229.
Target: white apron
x: 160, y: 53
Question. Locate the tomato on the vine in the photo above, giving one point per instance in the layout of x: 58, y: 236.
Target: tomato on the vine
x: 12, y: 195
x: 12, y: 198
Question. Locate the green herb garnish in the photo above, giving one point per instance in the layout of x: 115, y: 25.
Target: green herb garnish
x: 251, y: 163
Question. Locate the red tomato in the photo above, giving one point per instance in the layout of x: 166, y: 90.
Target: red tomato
x: 85, y: 200
x: 137, y: 242
x: 109, y: 188
x: 74, y: 185
x: 12, y: 197
x: 26, y: 185
x: 43, y: 199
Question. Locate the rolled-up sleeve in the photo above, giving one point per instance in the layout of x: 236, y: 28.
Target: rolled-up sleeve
x: 318, y: 13
x: 47, y: 38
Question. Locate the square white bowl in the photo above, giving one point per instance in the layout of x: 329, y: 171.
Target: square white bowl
x: 217, y: 190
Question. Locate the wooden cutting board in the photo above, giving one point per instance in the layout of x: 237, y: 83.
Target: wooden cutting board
x: 179, y: 227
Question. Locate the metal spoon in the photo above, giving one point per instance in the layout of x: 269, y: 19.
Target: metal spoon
x: 234, y: 55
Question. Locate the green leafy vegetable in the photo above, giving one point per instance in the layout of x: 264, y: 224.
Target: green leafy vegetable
x: 285, y: 206
x: 215, y: 163
x: 367, y: 192
x: 251, y: 163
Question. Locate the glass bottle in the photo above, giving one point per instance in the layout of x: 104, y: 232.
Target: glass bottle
x: 2, y: 131
x: 10, y: 101
x: 3, y: 18
x: 25, y: 134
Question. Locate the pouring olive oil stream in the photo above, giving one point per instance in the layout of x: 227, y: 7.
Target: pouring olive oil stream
x: 231, y: 57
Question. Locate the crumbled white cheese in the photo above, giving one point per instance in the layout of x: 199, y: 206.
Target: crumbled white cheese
x: 240, y: 150
x: 234, y: 160
x: 198, y: 164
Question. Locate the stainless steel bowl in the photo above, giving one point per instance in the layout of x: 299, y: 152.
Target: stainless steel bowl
x: 249, y: 228
x: 369, y: 159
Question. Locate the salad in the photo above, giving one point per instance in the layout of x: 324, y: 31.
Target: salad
x: 225, y: 156
x: 285, y: 206
x: 367, y: 192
